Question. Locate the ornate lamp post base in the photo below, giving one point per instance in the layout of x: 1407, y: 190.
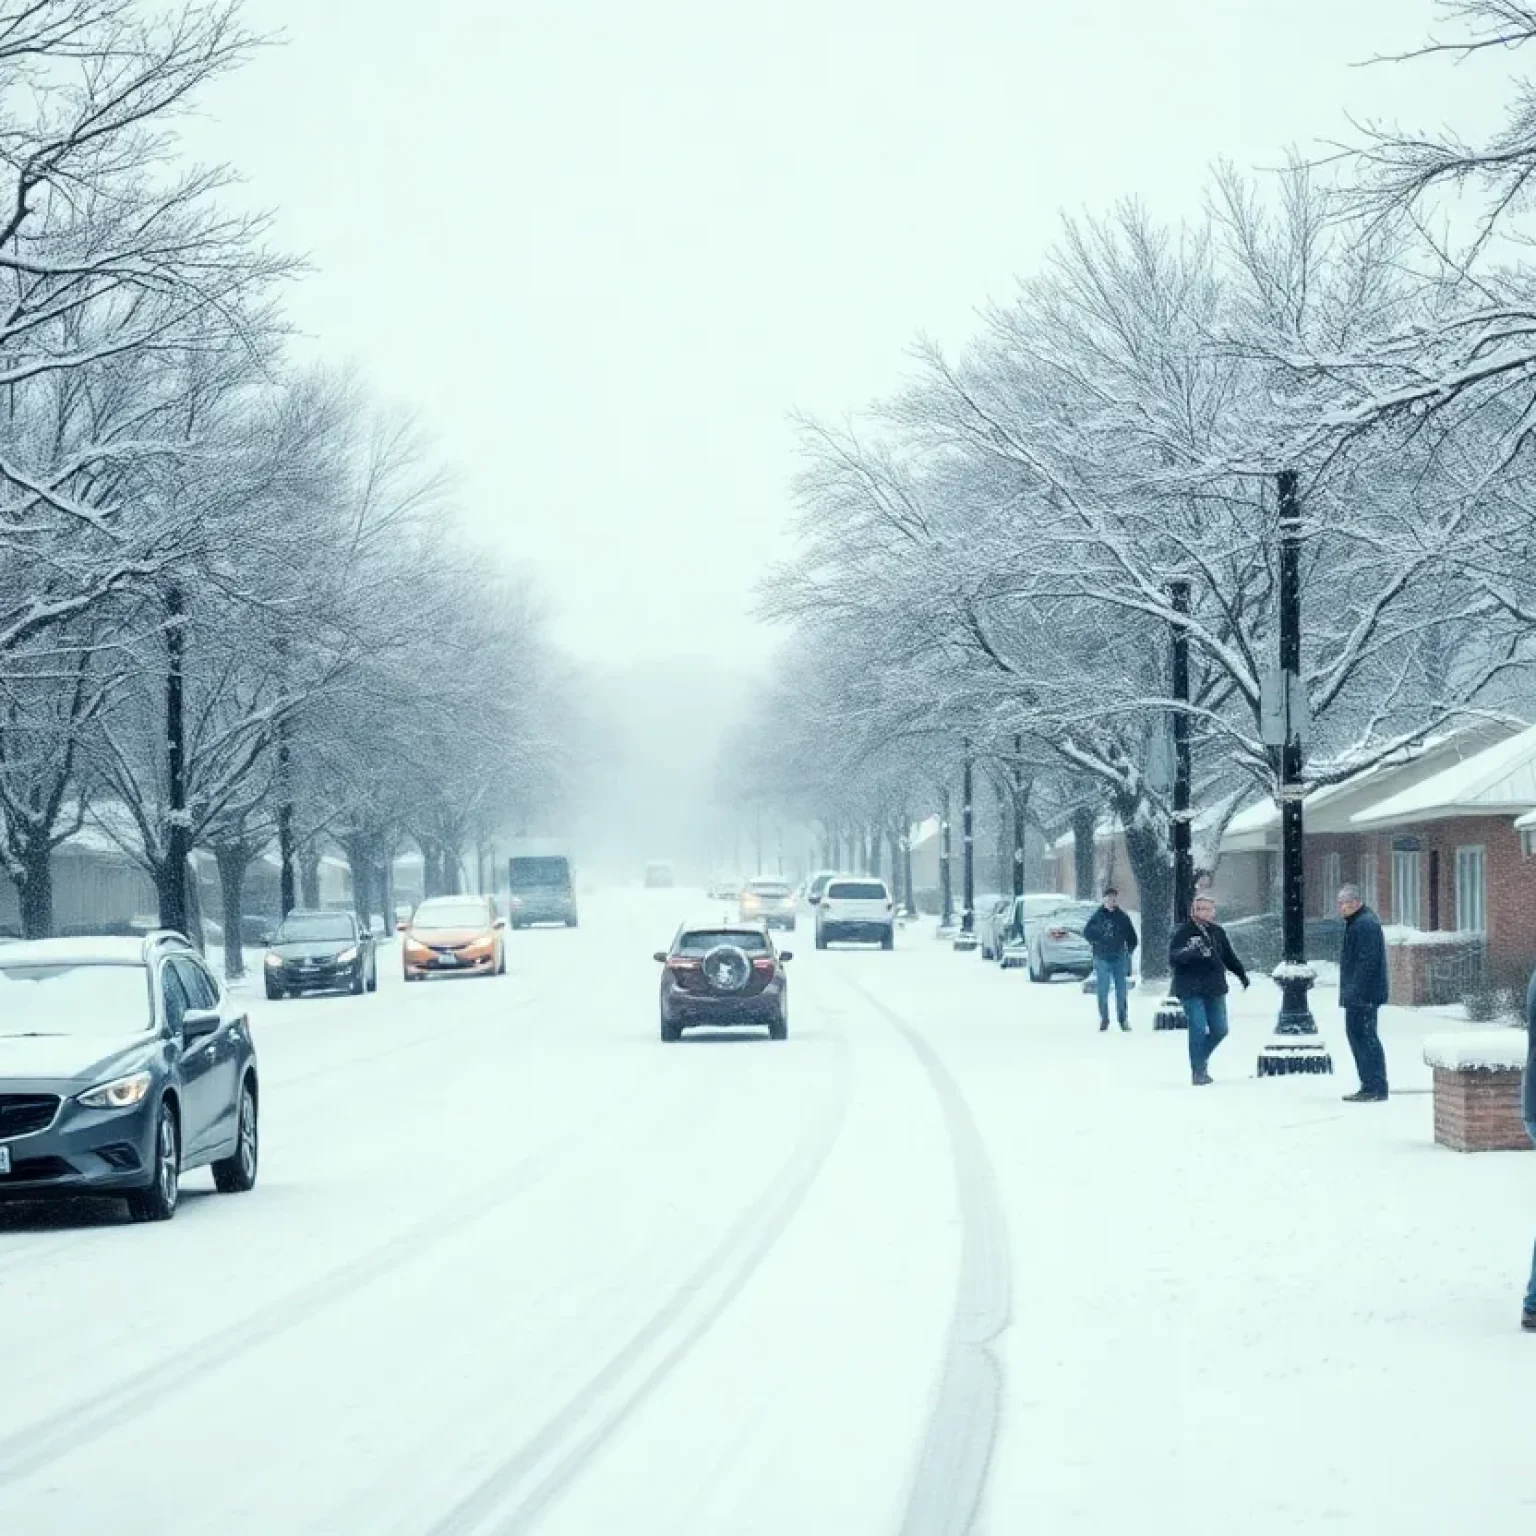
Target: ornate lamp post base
x: 1170, y: 1015
x: 1295, y: 1047
x: 965, y: 942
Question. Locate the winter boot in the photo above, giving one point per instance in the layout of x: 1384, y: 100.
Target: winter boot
x: 1201, y: 1079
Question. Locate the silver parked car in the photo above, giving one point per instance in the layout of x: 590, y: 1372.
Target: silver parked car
x: 1056, y: 946
x: 1017, y: 926
x: 991, y: 918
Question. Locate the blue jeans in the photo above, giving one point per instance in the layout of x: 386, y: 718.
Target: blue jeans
x: 1207, y: 1019
x: 1115, y: 969
x: 1530, y: 1291
x: 1365, y: 1042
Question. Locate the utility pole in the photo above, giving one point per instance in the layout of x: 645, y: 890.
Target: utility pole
x: 1018, y: 815
x: 946, y: 883
x: 1295, y: 1045
x: 966, y: 938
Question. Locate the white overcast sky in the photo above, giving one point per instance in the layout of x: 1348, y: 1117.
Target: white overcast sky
x: 606, y: 245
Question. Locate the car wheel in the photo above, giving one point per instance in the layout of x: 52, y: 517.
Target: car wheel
x: 236, y: 1174
x: 501, y: 964
x: 888, y: 939
x: 1034, y: 974
x: 778, y: 1029
x: 670, y: 1033
x: 274, y: 994
x: 1046, y: 973
x: 158, y: 1201
x: 373, y: 977
x: 570, y: 922
x: 359, y: 982
x: 821, y: 939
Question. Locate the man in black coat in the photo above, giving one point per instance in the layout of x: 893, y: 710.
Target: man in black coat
x: 1200, y: 955
x: 1362, y: 991
x: 1112, y: 936
x: 1528, y: 1106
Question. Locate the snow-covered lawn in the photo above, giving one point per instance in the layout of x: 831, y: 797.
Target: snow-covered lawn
x: 513, y: 1264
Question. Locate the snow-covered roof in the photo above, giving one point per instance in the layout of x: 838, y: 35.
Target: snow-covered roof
x: 78, y: 951
x: 1108, y: 828
x: 1500, y: 779
x: 1334, y: 808
x: 1478, y: 1050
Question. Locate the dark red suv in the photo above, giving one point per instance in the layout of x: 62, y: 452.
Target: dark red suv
x: 723, y: 974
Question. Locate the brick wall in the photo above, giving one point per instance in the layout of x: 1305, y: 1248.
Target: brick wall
x: 1479, y: 1111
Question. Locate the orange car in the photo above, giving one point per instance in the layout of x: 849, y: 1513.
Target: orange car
x: 454, y: 935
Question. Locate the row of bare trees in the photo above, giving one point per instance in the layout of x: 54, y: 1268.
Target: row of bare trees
x: 237, y: 608
x: 990, y: 554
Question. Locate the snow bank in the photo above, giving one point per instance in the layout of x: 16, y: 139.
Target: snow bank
x: 1478, y: 1050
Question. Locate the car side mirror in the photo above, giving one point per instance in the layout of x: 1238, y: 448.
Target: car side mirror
x: 661, y: 956
x: 401, y: 927
x: 199, y: 1023
x: 785, y: 956
x: 501, y: 922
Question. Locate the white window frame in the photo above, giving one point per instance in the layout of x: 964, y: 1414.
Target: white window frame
x: 1407, y: 887
x: 1333, y: 878
x: 1471, y: 901
x: 1370, y: 875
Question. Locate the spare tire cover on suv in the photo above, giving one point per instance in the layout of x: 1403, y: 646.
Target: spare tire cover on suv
x: 727, y: 968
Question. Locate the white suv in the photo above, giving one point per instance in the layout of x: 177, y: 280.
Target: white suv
x: 858, y: 908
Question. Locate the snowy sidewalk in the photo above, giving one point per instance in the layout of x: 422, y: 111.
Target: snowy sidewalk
x: 1246, y: 1307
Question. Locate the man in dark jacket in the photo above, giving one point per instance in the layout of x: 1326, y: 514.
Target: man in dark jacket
x: 1528, y: 1106
x: 1200, y: 955
x: 1112, y: 936
x: 1362, y: 991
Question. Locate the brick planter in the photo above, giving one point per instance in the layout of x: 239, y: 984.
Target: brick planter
x: 1477, y: 1090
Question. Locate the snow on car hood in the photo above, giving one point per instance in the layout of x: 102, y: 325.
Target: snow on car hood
x: 34, y: 1058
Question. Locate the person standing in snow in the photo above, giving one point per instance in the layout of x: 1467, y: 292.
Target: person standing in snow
x: 1528, y: 1108
x: 1112, y: 936
x: 1362, y: 991
x: 1200, y: 955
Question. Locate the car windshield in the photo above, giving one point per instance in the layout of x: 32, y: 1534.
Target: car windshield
x: 701, y: 940
x: 539, y: 873
x: 451, y: 914
x: 1041, y: 906
x: 857, y: 890
x: 74, y: 999
x: 1073, y: 916
x: 768, y: 888
x: 302, y: 928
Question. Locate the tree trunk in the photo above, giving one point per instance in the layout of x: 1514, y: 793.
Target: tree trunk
x: 171, y: 875
x: 1084, y: 826
x: 1151, y: 859
x: 233, y: 860
x: 873, y: 845
x: 387, y: 888
x: 34, y: 891
x: 893, y: 847
x: 309, y: 876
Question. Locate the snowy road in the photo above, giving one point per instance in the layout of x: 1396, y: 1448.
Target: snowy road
x: 514, y: 1265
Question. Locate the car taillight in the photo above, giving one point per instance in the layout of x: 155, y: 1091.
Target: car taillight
x: 678, y: 963
x: 765, y: 964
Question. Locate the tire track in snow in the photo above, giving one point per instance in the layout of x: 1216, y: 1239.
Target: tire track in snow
x: 954, y: 1461
x: 98, y: 1412
x: 513, y: 1498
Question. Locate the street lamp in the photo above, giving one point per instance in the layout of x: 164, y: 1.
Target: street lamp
x: 946, y: 883
x: 1295, y: 1046
x: 1170, y: 1012
x: 966, y: 938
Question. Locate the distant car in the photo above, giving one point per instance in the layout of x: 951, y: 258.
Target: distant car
x: 320, y: 952
x: 123, y: 1065
x: 461, y: 935
x: 724, y: 889
x: 991, y: 913
x: 856, y: 909
x: 723, y: 974
x: 541, y: 890
x: 1019, y: 925
x: 768, y: 901
x: 658, y: 877
x: 817, y: 884
x: 256, y: 932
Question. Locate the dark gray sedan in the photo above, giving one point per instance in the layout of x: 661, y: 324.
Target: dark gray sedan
x: 321, y: 952
x: 122, y: 1065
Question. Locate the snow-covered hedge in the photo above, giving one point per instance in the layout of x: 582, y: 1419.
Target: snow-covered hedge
x: 1418, y: 938
x: 1478, y: 1050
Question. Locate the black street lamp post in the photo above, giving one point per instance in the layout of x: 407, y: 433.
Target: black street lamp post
x: 1170, y: 1012
x: 1296, y: 1045
x: 1018, y: 815
x: 946, y: 882
x: 966, y: 938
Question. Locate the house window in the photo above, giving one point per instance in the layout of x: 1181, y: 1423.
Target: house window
x: 1471, y: 898
x: 1405, y: 888
x: 1528, y: 842
x: 1333, y: 878
x: 1368, y: 891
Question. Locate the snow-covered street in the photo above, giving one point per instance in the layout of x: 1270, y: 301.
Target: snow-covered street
x: 513, y: 1264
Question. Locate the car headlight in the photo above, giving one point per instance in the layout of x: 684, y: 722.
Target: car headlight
x: 347, y: 956
x: 274, y: 961
x: 122, y: 1093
